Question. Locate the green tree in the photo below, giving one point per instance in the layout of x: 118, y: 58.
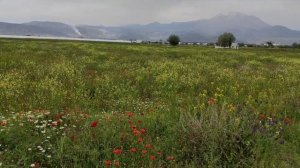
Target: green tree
x: 296, y: 45
x: 270, y: 44
x: 226, y: 39
x: 173, y: 39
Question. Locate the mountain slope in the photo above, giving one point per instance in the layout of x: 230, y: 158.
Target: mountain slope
x: 246, y: 28
x: 55, y: 28
x: 52, y: 29
x: 19, y: 29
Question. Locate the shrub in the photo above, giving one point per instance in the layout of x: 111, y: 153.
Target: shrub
x: 218, y: 138
x: 296, y: 45
x: 226, y: 39
x: 173, y: 39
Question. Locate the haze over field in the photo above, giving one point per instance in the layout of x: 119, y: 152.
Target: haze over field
x: 193, y: 20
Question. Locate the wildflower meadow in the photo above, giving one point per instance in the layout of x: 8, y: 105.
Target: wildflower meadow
x: 86, y: 104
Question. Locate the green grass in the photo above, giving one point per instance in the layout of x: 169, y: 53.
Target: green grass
x: 252, y: 119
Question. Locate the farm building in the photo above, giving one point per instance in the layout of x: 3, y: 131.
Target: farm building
x: 235, y: 46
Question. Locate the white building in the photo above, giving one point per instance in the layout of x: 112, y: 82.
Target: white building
x: 235, y: 46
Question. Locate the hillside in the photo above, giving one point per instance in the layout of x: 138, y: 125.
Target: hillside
x: 246, y: 28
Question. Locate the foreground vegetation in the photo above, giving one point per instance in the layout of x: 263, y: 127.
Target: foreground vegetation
x: 81, y: 104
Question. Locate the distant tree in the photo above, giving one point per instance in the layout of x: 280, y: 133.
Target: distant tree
x: 296, y: 45
x: 210, y: 44
x: 270, y: 44
x: 242, y: 44
x: 226, y: 39
x: 173, y: 39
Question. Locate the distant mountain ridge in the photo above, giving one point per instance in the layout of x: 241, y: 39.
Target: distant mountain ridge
x: 51, y: 29
x: 246, y: 28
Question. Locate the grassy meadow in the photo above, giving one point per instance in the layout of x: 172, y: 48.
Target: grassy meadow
x: 87, y: 104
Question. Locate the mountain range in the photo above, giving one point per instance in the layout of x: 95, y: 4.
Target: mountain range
x: 246, y: 28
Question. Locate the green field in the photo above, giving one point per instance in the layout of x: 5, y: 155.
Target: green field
x: 84, y: 104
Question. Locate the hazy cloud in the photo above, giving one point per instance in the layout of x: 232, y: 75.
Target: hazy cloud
x: 120, y: 12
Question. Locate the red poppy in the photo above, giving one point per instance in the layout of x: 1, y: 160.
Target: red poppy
x: 73, y: 137
x: 158, y: 153
x: 287, y: 121
x: 262, y: 117
x: 36, y: 165
x: 58, y: 121
x: 170, y: 158
x: 143, y: 130
x: 129, y: 122
x: 144, y: 152
x: 140, y: 139
x: 212, y: 101
x: 108, y: 163
x: 94, y: 124
x: 117, y: 163
x: 58, y: 116
x: 54, y: 124
x: 136, y: 132
x: 117, y: 151
x: 130, y: 114
x: 152, y: 157
x: 133, y: 150
x: 3, y: 123
x: 133, y: 126
x: 139, y: 121
x: 148, y: 146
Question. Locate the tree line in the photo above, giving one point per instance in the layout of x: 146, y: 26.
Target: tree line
x: 296, y: 45
x: 224, y: 40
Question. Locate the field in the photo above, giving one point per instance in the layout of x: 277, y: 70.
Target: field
x: 88, y: 104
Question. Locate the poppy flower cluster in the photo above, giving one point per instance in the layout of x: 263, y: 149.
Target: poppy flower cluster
x: 108, y: 163
x: 139, y: 149
x: 147, y: 148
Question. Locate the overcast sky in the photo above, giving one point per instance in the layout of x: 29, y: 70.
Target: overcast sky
x: 122, y: 12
